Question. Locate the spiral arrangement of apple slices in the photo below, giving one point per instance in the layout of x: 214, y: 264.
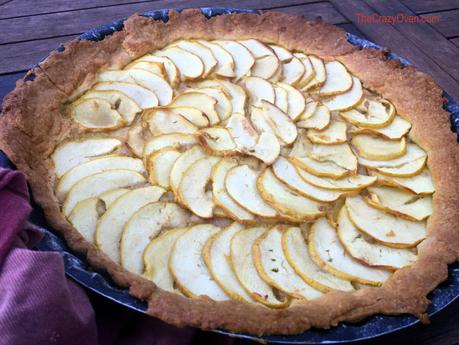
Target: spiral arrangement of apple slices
x: 238, y: 169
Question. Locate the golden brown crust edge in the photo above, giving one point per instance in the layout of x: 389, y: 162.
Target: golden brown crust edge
x: 30, y: 128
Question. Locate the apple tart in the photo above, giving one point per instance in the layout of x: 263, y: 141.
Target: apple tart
x: 254, y: 172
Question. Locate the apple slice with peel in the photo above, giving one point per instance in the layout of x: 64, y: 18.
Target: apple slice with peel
x: 181, y: 164
x: 201, y: 51
x: 187, y: 265
x: 94, y: 114
x: 371, y: 114
x: 193, y: 115
x: 221, y: 196
x: 148, y: 80
x: 110, y: 226
x: 309, y: 110
x: 217, y: 140
x: 320, y: 75
x: 192, y: 189
x: 297, y: 254
x: 95, y: 166
x: 244, y: 135
x: 370, y: 253
x: 159, y: 166
x: 216, y: 253
x: 241, y: 185
x: 259, y: 89
x: 97, y: 184
x: 72, y: 153
x: 289, y: 204
x: 267, y: 148
x: 143, y: 97
x: 282, y: 125
x: 338, y: 79
x: 243, y: 58
x: 384, y: 227
x: 273, y: 267
x: 242, y: 261
x: 262, y: 123
x: 163, y: 121
x: 395, y: 130
x: 377, y: 148
x: 201, y: 101
x: 281, y: 98
x: 189, y: 65
x: 266, y: 61
x: 156, y: 259
x: 225, y: 62
x: 335, y: 133
x: 136, y: 137
x: 319, y: 120
x: 86, y: 213
x: 309, y: 72
x: 347, y: 100
x: 419, y: 184
x: 143, y: 226
x: 348, y: 183
x: 282, y: 54
x: 150, y: 66
x: 223, y: 106
x: 169, y: 67
x: 328, y: 253
x: 287, y: 173
x: 400, y: 203
x: 174, y: 140
x: 293, y: 71
x: 295, y: 99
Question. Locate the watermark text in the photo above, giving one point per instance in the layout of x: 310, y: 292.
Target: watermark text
x: 376, y: 18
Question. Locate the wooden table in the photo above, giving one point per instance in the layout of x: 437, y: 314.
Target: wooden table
x: 30, y: 29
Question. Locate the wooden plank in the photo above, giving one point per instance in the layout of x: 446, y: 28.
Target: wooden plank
x: 73, y: 22
x: 386, y: 35
x: 8, y: 83
x: 427, y: 6
x: 23, y: 7
x: 422, y: 35
x: 323, y: 10
x: 351, y: 28
x: 22, y: 56
x: 455, y: 41
x: 448, y: 24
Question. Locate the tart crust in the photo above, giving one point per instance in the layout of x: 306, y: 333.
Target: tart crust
x: 32, y: 124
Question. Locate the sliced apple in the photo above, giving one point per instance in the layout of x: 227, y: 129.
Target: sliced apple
x: 281, y: 98
x: 237, y: 95
x: 224, y: 108
x: 171, y: 70
x: 319, y: 120
x: 335, y: 133
x: 371, y: 114
x: 267, y: 148
x: 143, y: 226
x: 174, y: 140
x: 376, y: 148
x: 338, y: 79
x: 286, y: 172
x: 149, y: 66
x: 189, y: 65
x: 282, y: 125
x: 135, y: 141
x: 384, y: 227
x: 260, y: 122
x: 148, y: 80
x: 259, y: 89
x: 320, y: 75
x: 277, y: 76
x: 309, y: 110
x: 411, y: 163
x: 295, y: 99
x: 309, y: 72
x: 181, y: 164
x: 242, y: 132
x: 288, y: 203
x: 241, y: 185
x: 97, y: 184
x: 348, y: 183
x: 400, y: 203
x: 243, y: 58
x: 370, y: 253
x: 266, y: 61
x: 201, y: 101
x: 201, y: 51
x: 193, y: 115
x: 420, y: 184
x: 282, y: 54
x: 72, y: 153
x: 225, y: 62
x: 143, y: 97
x: 94, y: 114
x: 159, y: 165
x: 395, y: 130
x: 328, y: 252
x: 163, y: 121
x: 347, y: 100
x: 188, y: 267
x: 292, y: 71
x: 110, y: 226
x: 95, y: 166
x: 156, y: 259
x: 297, y: 254
x: 216, y: 252
x: 221, y: 197
x: 242, y: 261
x: 273, y: 267
x: 217, y: 140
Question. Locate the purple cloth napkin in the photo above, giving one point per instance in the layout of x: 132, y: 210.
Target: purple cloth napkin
x: 39, y: 305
